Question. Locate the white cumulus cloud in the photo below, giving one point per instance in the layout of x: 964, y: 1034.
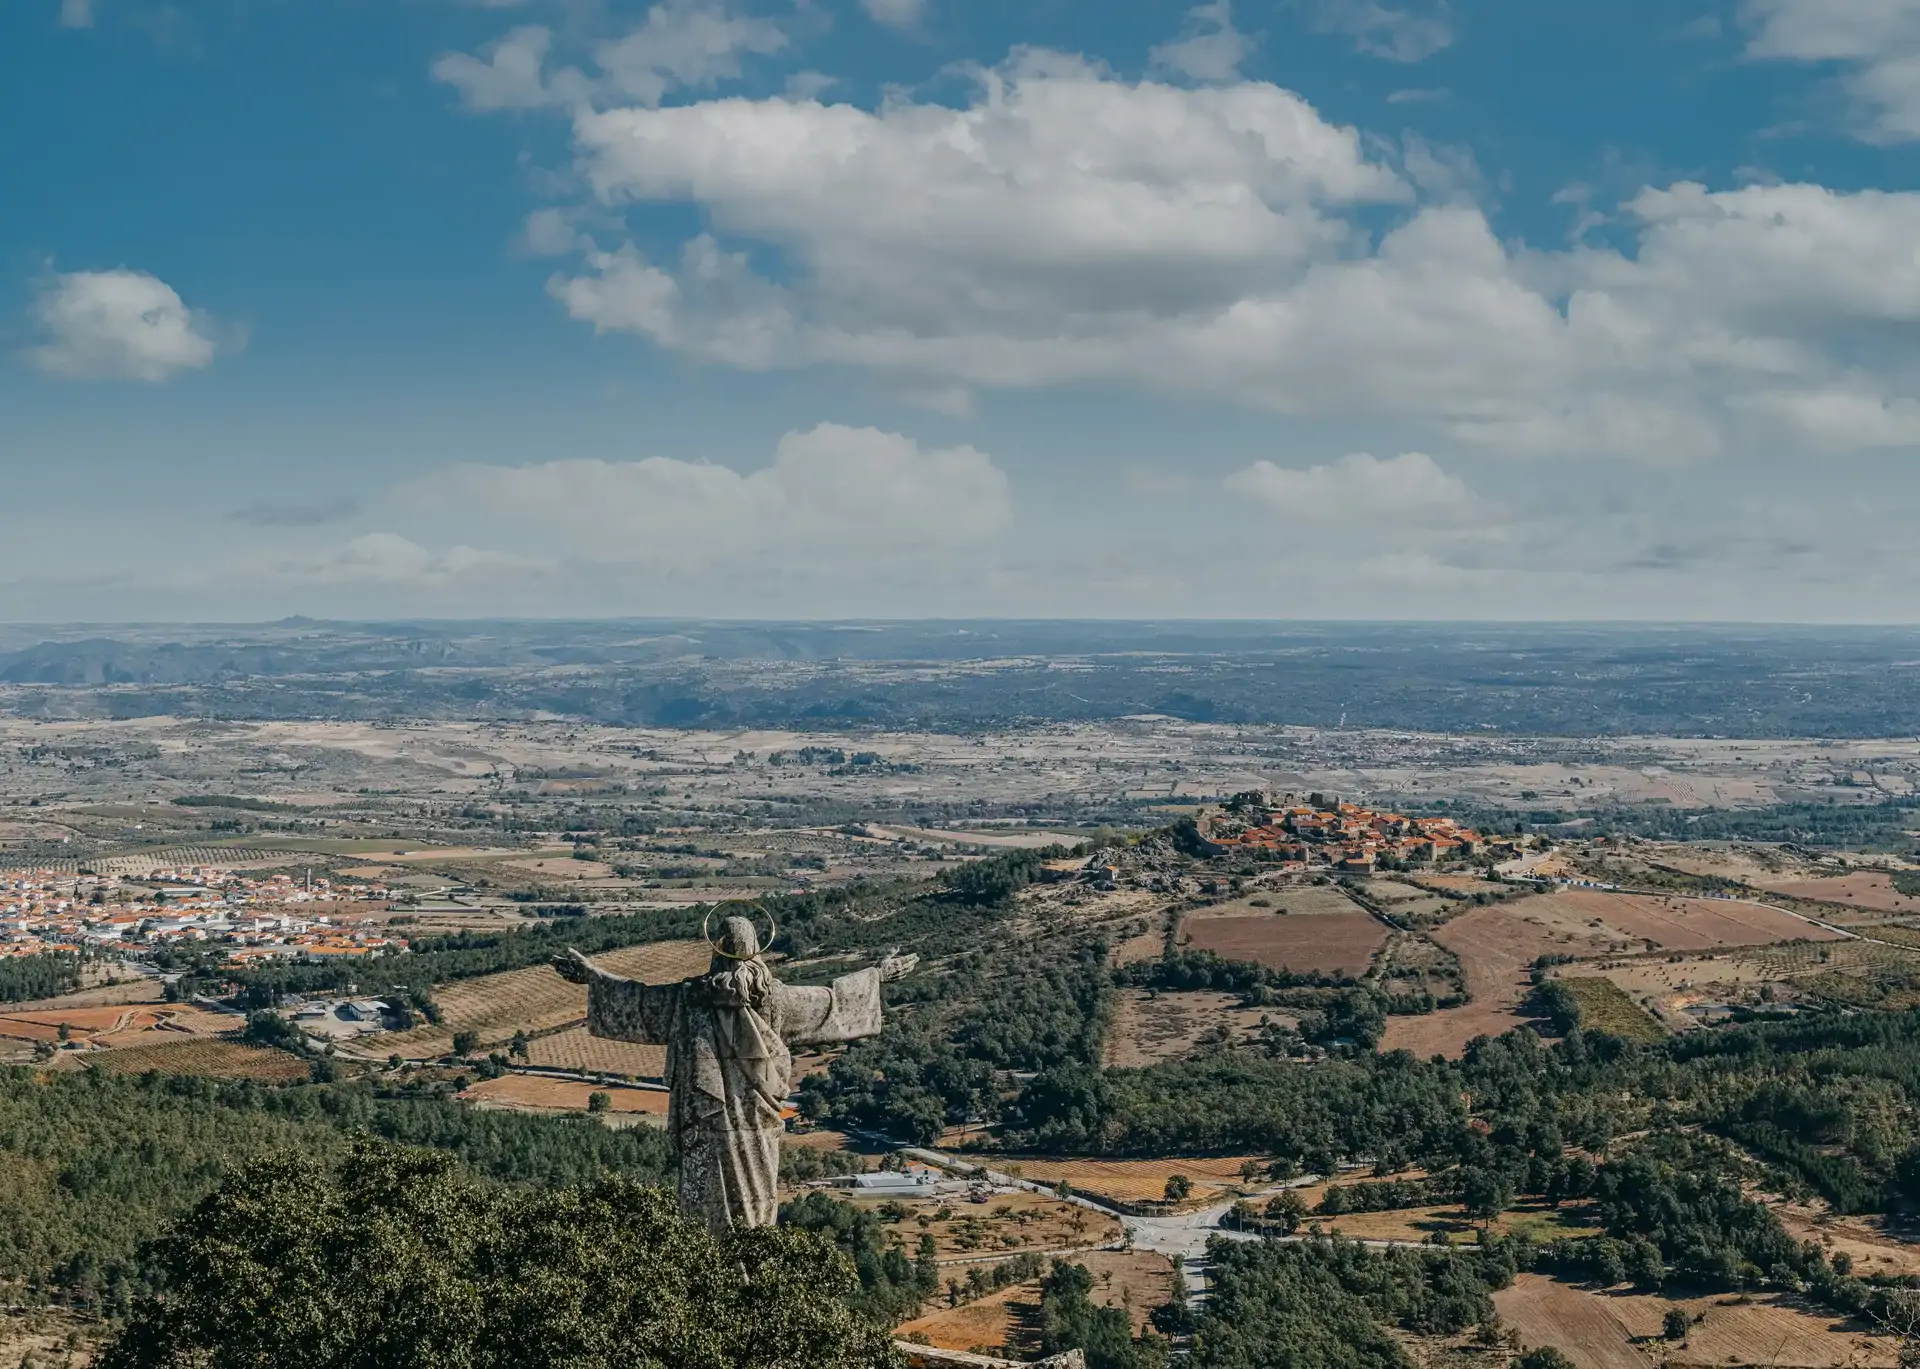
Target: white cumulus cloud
x: 1410, y: 487
x: 388, y: 559
x: 1876, y: 43
x: 833, y: 497
x: 680, y: 44
x: 1069, y: 225
x: 118, y: 324
x: 896, y: 14
x: 509, y: 76
x: 1211, y: 49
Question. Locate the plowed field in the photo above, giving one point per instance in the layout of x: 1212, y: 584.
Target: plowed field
x: 213, y: 1059
x: 1324, y: 943
x: 575, y: 1049
x: 114, y: 1025
x: 1667, y: 923
x: 495, y: 1006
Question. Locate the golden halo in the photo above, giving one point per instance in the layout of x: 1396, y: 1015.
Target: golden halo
x: 706, y: 935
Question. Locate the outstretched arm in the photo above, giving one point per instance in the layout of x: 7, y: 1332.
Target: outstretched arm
x: 847, y: 1010
x: 621, y: 1009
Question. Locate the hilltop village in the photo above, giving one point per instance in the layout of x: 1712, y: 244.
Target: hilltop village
x: 1346, y: 836
x: 256, y: 918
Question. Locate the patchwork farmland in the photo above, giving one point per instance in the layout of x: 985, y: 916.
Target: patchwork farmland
x: 1326, y: 943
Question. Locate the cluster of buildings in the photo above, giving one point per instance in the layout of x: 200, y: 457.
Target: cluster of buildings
x: 271, y: 916
x: 1348, y: 836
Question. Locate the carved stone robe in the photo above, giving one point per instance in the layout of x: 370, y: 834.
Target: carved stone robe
x: 729, y: 1070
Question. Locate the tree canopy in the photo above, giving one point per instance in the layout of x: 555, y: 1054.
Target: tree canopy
x: 395, y: 1256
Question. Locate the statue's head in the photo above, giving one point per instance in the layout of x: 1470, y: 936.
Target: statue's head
x: 739, y: 938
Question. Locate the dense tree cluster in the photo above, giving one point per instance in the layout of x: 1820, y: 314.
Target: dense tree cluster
x: 892, y: 1286
x: 95, y: 1164
x: 938, y: 1060
x: 395, y: 1256
x: 1071, y: 1320
x: 1327, y: 1303
x: 24, y: 978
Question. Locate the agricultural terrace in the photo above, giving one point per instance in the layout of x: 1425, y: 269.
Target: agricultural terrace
x: 534, y: 1000
x: 1604, y: 1006
x: 207, y: 1057
x: 112, y: 1025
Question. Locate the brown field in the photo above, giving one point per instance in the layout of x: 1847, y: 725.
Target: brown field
x: 1871, y: 890
x: 1461, y: 884
x: 1136, y: 950
x: 211, y: 1058
x: 1215, y: 1177
x: 994, y: 1325
x: 1332, y: 943
x: 50, y: 1336
x: 1863, y: 1238
x: 1002, y: 1322
x: 1496, y: 952
x: 1296, y: 900
x: 1622, y: 1330
x: 533, y: 1093
x: 1498, y: 943
x: 1631, y: 921
x: 495, y: 1006
x: 134, y: 1024
x: 563, y: 867
x: 1149, y: 1027
x: 574, y: 1049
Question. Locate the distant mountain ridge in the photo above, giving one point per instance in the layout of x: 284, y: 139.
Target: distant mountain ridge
x: 1570, y: 680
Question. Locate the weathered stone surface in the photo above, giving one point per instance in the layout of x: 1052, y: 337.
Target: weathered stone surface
x: 727, y: 1035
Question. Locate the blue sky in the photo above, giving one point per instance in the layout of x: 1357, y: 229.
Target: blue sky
x: 1304, y: 308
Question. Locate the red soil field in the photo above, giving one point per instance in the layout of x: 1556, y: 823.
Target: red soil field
x: 1331, y: 943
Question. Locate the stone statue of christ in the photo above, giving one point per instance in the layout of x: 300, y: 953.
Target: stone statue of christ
x: 727, y: 1033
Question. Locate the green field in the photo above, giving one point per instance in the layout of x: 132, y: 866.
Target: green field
x: 1605, y: 1006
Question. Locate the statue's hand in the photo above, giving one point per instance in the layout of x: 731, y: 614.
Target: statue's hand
x: 574, y: 967
x: 898, y: 966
